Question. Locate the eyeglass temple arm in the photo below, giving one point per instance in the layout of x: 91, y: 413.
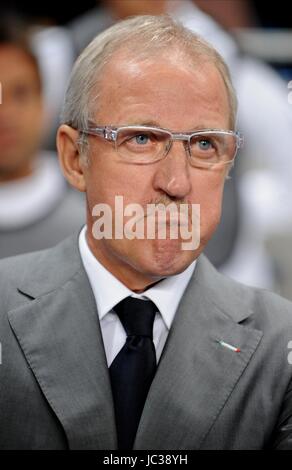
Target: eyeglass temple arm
x: 107, y: 132
x: 240, y: 140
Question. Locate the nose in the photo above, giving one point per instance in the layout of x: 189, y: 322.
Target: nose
x: 172, y: 175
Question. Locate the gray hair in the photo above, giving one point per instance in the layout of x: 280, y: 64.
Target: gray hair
x: 142, y: 36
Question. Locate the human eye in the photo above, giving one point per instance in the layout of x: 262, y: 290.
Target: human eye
x: 204, y: 146
x: 23, y: 93
x: 137, y: 140
x: 141, y: 144
x: 212, y: 147
x: 141, y: 138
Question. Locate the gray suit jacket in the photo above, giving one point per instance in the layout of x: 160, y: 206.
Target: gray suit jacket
x: 54, y: 384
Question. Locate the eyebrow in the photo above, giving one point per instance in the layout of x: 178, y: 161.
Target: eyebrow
x: 141, y: 122
x: 152, y: 123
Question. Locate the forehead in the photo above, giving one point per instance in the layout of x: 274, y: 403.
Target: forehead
x: 165, y: 90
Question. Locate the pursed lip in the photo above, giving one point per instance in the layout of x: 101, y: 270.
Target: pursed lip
x: 169, y: 218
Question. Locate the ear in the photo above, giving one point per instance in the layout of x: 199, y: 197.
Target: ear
x: 69, y: 156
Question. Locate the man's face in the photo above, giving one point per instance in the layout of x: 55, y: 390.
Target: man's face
x: 166, y: 94
x: 20, y: 111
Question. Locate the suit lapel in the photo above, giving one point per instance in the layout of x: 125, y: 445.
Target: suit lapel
x: 60, y: 336
x: 195, y: 375
x: 59, y: 333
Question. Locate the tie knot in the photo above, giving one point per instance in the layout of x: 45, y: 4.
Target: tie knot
x: 137, y: 316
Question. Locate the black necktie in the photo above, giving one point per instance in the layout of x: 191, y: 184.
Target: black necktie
x: 133, y: 368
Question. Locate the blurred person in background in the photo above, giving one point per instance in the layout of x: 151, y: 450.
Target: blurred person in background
x: 37, y: 207
x: 229, y: 13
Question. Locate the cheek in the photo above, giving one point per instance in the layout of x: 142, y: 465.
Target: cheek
x: 107, y: 178
x: 32, y: 120
x: 208, y: 185
x: 209, y: 194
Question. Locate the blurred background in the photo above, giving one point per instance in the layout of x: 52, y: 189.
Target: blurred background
x: 38, y: 46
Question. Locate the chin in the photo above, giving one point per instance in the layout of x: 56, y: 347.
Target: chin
x: 167, y: 258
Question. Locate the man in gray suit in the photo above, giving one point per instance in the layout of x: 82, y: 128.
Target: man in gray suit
x: 148, y: 121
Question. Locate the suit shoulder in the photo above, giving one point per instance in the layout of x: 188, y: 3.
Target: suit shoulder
x: 14, y: 267
x: 276, y: 309
x: 14, y: 270
x: 38, y: 272
x: 240, y: 301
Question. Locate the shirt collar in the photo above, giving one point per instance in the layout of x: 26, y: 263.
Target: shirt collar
x: 108, y: 290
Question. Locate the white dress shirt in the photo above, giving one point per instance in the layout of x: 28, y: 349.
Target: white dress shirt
x: 109, y: 291
x: 29, y: 199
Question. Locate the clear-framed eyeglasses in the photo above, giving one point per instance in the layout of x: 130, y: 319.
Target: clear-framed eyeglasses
x: 144, y: 145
